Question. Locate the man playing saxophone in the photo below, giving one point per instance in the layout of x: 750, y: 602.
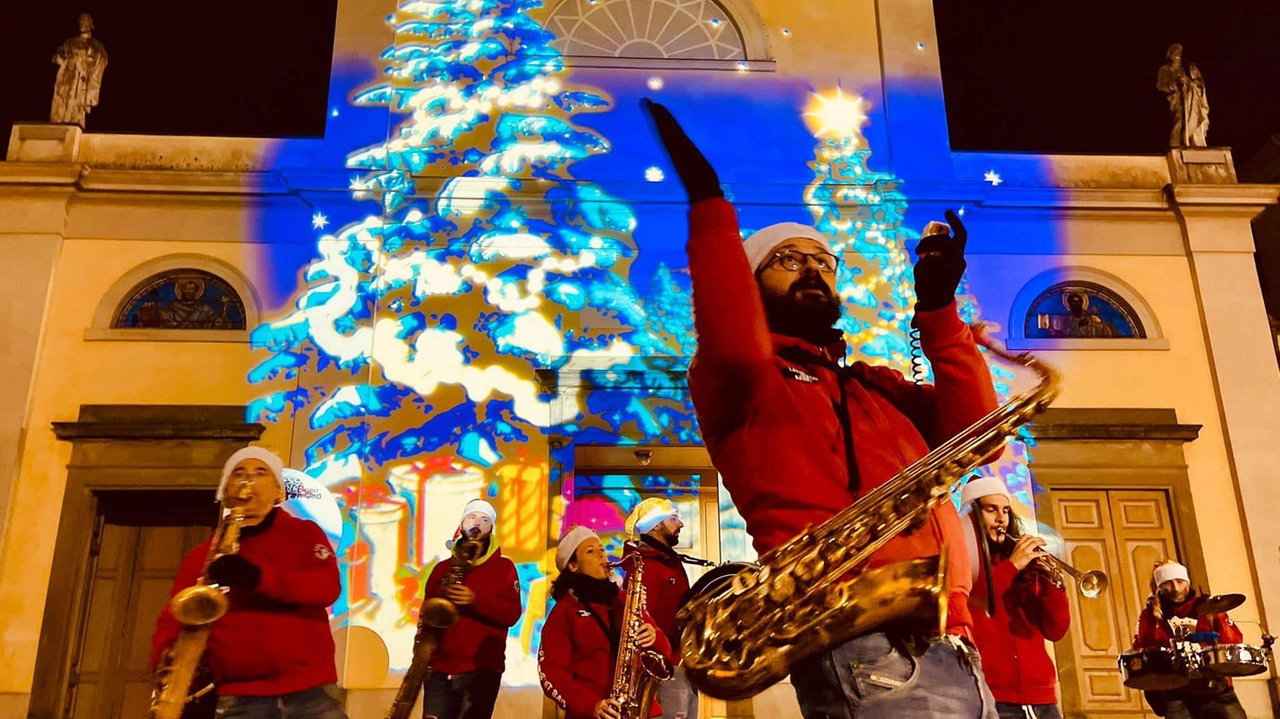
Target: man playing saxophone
x: 798, y: 435
x: 1029, y: 606
x: 272, y: 653
x: 467, y: 666
x: 581, y: 635
x: 657, y: 524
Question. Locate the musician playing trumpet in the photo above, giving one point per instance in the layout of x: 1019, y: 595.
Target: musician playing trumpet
x: 272, y: 654
x: 467, y: 666
x: 1027, y: 605
x: 1174, y: 612
x: 581, y: 633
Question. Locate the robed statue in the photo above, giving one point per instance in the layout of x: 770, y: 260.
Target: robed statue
x: 81, y: 61
x: 1188, y: 103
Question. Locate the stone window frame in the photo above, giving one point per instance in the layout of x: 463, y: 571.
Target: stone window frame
x: 741, y: 15
x: 122, y: 289
x: 1041, y: 283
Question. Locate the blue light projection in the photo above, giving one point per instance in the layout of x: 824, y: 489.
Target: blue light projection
x: 462, y: 340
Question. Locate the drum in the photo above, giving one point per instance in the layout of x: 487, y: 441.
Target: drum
x: 1235, y: 660
x: 1155, y: 669
x: 716, y: 580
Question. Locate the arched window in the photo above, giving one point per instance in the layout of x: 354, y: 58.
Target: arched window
x: 649, y: 29
x: 181, y: 299
x: 1081, y: 310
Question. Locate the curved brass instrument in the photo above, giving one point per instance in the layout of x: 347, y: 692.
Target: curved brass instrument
x: 197, y: 607
x: 638, y: 670
x: 1090, y: 584
x: 435, y: 615
x: 745, y: 635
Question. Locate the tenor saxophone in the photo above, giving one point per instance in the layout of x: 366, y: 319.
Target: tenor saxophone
x: 638, y: 669
x: 435, y: 615
x: 197, y: 607
x: 739, y: 637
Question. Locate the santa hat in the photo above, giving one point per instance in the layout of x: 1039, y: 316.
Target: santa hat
x: 649, y: 514
x: 266, y: 456
x: 980, y: 487
x: 760, y: 246
x: 1170, y: 570
x: 479, y: 506
x: 569, y: 543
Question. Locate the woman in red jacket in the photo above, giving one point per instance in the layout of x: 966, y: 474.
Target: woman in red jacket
x: 580, y: 635
x: 1171, y: 613
x: 1028, y: 608
x: 466, y: 669
x: 272, y: 652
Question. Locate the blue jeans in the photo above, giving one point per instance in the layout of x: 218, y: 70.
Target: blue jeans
x: 461, y: 696
x: 871, y: 677
x: 678, y: 697
x: 1028, y: 711
x: 315, y: 703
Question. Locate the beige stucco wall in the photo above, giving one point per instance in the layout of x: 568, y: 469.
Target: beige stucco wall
x: 109, y: 233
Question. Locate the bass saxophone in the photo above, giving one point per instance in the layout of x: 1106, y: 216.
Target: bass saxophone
x: 638, y: 670
x: 741, y: 636
x: 197, y: 607
x: 436, y: 615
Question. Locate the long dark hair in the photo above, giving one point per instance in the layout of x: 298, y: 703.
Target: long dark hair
x: 1012, y: 533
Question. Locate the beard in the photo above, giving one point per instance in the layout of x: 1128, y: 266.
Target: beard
x: 804, y: 315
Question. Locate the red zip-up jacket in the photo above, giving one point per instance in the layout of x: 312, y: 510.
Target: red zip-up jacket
x: 274, y: 639
x: 1011, y: 639
x: 576, y: 659
x: 479, y: 639
x: 665, y: 584
x: 1154, y: 632
x: 770, y: 423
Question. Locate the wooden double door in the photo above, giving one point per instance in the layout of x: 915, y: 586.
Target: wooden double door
x: 1123, y: 533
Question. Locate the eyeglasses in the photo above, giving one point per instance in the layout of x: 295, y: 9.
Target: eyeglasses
x: 793, y: 260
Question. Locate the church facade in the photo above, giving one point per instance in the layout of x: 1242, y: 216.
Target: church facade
x: 475, y: 285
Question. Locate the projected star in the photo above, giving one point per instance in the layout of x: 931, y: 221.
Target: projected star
x: 319, y: 221
x: 837, y: 114
x: 993, y: 177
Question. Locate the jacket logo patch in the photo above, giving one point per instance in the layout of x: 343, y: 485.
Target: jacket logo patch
x: 584, y: 613
x: 800, y: 375
x: 323, y: 552
x: 671, y: 580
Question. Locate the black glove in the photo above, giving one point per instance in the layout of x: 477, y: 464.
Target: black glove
x: 233, y: 570
x: 940, y: 267
x: 696, y: 174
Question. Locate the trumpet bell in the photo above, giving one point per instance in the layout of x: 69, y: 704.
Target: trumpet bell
x: 1092, y: 584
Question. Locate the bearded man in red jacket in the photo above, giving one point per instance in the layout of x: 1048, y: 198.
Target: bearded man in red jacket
x: 657, y: 523
x: 466, y: 669
x: 1027, y: 609
x: 1172, y: 614
x: 798, y: 435
x: 271, y: 654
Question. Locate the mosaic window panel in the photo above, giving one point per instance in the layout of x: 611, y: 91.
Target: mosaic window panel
x: 1082, y: 310
x: 650, y: 29
x: 186, y: 299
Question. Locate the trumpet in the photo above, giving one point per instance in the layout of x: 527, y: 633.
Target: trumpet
x: 1090, y: 584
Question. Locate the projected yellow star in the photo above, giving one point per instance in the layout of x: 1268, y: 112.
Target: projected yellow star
x: 836, y: 115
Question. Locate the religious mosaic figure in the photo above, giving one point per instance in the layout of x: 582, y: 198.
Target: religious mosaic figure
x: 1079, y: 321
x: 188, y: 310
x: 81, y: 62
x: 1188, y: 103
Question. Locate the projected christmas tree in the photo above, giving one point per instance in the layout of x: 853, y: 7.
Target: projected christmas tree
x: 863, y: 210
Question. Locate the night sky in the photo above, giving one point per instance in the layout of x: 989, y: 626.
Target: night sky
x: 1020, y: 75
